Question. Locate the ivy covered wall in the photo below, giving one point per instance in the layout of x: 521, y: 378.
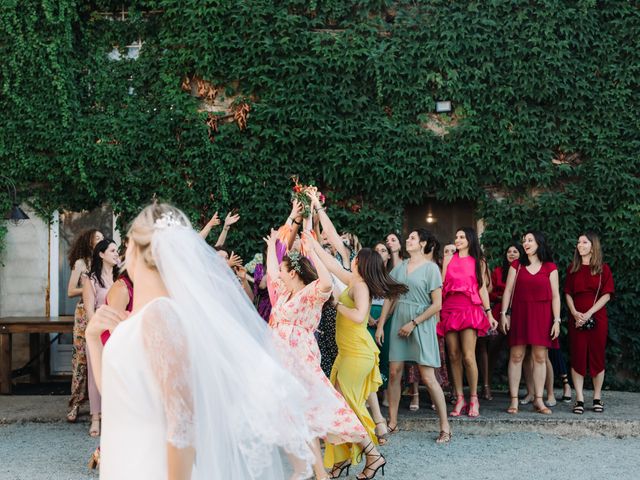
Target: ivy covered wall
x: 226, y: 100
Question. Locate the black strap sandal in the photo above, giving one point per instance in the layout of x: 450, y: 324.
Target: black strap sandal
x: 598, y: 406
x: 565, y: 381
x: 578, y: 408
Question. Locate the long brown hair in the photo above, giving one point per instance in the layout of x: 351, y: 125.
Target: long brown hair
x: 595, y: 264
x: 82, y: 248
x: 372, y: 270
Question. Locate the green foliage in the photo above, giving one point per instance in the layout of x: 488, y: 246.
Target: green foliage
x: 340, y: 91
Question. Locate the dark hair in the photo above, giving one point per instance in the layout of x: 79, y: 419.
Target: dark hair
x: 475, y: 251
x: 432, y: 244
x: 96, y: 261
x: 399, y: 237
x: 505, y: 262
x: 307, y: 271
x: 387, y: 265
x: 375, y: 275
x: 544, y: 251
x: 82, y: 248
x: 595, y: 264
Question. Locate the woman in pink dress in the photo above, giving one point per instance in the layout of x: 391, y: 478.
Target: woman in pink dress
x: 297, y: 293
x: 104, y: 271
x: 465, y: 315
x: 531, y: 316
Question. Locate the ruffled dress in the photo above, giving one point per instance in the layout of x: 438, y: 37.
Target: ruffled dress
x: 461, y: 304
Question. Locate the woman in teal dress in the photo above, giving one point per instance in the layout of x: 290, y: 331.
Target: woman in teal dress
x: 413, y: 335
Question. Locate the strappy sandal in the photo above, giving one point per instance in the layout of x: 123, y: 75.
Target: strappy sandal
x: 364, y: 476
x: 513, y: 410
x: 338, y: 468
x: 392, y: 430
x: 474, y: 407
x: 94, y: 461
x: 414, y: 407
x: 565, y: 381
x: 72, y: 416
x: 486, y: 392
x: 444, y: 437
x: 543, y: 410
x: 578, y: 408
x: 382, y: 438
x: 598, y: 406
x: 94, y: 429
x: 460, y: 407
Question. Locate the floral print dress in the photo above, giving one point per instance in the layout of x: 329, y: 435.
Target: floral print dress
x: 294, y: 319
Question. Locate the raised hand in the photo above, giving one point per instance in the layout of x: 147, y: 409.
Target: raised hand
x: 214, y: 221
x: 234, y: 260
x: 231, y: 218
x: 271, y: 238
x: 296, y: 209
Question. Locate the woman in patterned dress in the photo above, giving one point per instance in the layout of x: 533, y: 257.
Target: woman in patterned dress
x: 297, y: 293
x: 80, y: 262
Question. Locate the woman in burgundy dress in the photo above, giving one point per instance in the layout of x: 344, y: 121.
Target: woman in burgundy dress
x: 588, y: 288
x: 490, y: 346
x: 531, y: 316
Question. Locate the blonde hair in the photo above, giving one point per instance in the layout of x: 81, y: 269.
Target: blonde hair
x: 354, y: 242
x: 595, y: 264
x: 144, y: 225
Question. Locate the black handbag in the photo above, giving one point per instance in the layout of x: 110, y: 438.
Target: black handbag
x: 591, y: 323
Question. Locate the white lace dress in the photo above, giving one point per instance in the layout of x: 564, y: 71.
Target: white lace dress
x: 147, y: 399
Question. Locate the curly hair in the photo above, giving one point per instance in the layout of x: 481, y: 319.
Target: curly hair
x: 82, y: 248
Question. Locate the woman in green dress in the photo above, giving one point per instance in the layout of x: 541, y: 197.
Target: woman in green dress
x: 413, y: 335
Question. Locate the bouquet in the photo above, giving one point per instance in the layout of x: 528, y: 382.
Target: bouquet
x: 251, y: 266
x: 299, y: 193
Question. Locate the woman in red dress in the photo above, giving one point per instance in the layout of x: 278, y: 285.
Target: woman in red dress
x: 588, y: 288
x: 490, y: 346
x: 531, y: 316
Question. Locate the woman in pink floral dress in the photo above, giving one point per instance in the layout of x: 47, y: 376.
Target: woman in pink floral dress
x: 297, y: 293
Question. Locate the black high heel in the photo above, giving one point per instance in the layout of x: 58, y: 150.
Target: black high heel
x: 362, y: 475
x: 565, y: 381
x: 339, y: 467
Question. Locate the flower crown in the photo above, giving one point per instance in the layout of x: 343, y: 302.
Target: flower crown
x: 294, y: 260
x: 167, y: 220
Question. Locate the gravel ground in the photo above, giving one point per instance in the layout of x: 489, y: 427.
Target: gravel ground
x: 60, y: 451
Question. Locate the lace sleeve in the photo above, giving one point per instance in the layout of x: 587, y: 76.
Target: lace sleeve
x: 166, y: 349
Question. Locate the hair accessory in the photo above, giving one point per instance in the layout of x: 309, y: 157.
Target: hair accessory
x: 294, y: 259
x: 167, y: 220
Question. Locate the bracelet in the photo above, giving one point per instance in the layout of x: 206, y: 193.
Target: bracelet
x: 415, y: 324
x: 487, y: 310
x: 321, y: 208
x: 557, y: 320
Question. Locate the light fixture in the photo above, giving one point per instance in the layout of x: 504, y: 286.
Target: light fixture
x: 443, y: 106
x: 16, y: 214
x: 430, y: 218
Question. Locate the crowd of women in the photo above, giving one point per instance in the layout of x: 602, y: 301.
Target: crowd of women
x: 354, y: 326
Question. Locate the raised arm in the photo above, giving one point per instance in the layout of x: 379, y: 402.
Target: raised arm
x: 334, y: 267
x: 232, y: 217
x: 272, y: 258
x: 325, y: 282
x: 330, y: 230
x: 362, y: 301
x: 213, y: 222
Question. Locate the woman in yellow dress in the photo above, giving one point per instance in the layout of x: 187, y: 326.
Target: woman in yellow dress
x: 356, y: 372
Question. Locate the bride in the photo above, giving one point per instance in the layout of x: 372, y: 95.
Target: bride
x: 191, y: 388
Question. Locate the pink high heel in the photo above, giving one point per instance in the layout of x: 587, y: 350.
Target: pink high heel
x: 460, y: 407
x: 474, y: 406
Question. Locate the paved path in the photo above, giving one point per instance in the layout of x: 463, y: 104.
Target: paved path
x: 59, y: 451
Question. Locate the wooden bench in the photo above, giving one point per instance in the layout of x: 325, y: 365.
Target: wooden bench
x: 34, y: 326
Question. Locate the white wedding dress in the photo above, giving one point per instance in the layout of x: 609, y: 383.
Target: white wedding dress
x: 197, y: 369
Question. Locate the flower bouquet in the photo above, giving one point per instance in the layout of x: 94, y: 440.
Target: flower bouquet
x: 299, y: 193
